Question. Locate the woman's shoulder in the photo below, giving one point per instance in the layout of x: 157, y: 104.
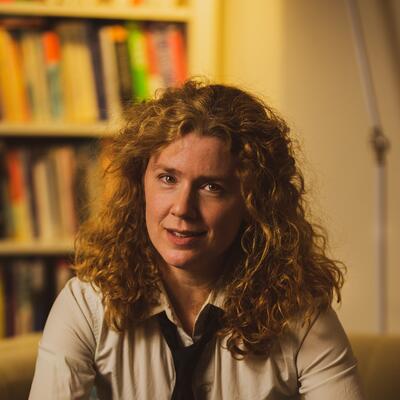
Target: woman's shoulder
x: 321, y: 328
x: 81, y: 289
x: 81, y: 301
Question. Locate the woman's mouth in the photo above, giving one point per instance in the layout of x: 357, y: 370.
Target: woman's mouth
x: 184, y: 237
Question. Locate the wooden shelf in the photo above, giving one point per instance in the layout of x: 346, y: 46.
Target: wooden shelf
x: 143, y: 13
x: 54, y: 129
x: 14, y: 248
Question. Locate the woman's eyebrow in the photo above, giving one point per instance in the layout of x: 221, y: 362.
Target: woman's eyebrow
x: 202, y: 178
x: 165, y: 168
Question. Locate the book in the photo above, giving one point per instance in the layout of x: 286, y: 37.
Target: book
x: 155, y: 80
x: 35, y: 74
x: 23, y: 313
x: 52, y: 61
x: 138, y: 56
x: 64, y: 163
x: 160, y: 34
x: 97, y: 68
x: 28, y: 205
x: 27, y: 164
x: 110, y: 73
x: 38, y: 293
x: 6, y: 227
x: 12, y: 91
x: 120, y: 39
x: 177, y: 48
x: 78, y: 83
x: 54, y: 194
x: 19, y: 198
x: 42, y: 193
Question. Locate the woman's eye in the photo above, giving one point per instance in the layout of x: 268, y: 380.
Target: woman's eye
x: 213, y: 188
x: 168, y: 179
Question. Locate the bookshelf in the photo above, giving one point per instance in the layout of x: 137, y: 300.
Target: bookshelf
x: 200, y: 20
x: 36, y: 248
x: 200, y: 17
x: 100, y: 129
x: 181, y: 13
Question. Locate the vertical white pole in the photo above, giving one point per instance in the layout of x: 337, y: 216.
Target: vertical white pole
x: 380, y: 146
x: 381, y: 261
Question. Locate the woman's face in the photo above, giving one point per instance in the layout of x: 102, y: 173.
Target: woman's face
x: 194, y: 207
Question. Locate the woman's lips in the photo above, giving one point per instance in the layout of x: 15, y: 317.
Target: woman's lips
x: 184, y: 238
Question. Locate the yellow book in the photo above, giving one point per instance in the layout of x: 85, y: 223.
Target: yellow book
x: 12, y: 89
x: 77, y: 75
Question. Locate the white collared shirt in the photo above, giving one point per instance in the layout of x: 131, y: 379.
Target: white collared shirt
x: 79, y: 351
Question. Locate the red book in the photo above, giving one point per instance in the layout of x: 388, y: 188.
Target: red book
x: 22, y: 220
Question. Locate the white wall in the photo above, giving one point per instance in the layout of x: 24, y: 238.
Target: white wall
x: 299, y: 56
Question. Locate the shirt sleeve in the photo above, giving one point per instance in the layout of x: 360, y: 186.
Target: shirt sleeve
x: 327, y: 368
x: 65, y: 367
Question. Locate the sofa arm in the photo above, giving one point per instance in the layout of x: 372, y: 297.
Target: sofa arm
x: 17, y: 365
x: 379, y: 364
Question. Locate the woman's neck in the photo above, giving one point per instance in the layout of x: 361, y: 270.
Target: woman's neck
x: 187, y: 293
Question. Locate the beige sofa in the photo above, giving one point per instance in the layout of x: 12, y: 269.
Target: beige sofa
x: 378, y: 356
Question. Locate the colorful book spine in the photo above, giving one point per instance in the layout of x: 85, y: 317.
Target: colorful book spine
x: 52, y: 60
x: 177, y: 48
x: 76, y: 73
x: 82, y: 72
x: 163, y: 54
x: 47, y: 230
x: 97, y: 68
x: 120, y: 40
x: 12, y: 91
x: 65, y: 166
x: 23, y: 313
x: 18, y: 196
x: 155, y: 80
x: 138, y: 56
x: 35, y: 75
x: 110, y: 73
x: 28, y: 288
x: 39, y: 189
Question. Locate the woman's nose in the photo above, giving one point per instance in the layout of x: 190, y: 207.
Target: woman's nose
x: 184, y: 204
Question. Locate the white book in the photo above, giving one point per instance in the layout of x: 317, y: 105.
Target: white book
x: 46, y: 225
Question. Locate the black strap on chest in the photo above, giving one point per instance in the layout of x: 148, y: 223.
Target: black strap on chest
x: 186, y: 358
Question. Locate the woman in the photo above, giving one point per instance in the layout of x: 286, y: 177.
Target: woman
x: 201, y: 278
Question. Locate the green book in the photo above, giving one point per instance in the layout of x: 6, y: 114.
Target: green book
x: 138, y: 60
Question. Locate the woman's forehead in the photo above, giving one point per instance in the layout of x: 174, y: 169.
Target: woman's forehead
x: 203, y: 153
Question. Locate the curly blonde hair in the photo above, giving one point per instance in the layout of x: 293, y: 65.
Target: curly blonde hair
x: 279, y: 267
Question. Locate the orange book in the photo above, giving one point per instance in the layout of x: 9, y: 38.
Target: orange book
x: 22, y: 217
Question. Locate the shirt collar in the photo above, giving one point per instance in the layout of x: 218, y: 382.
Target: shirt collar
x: 215, y: 298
